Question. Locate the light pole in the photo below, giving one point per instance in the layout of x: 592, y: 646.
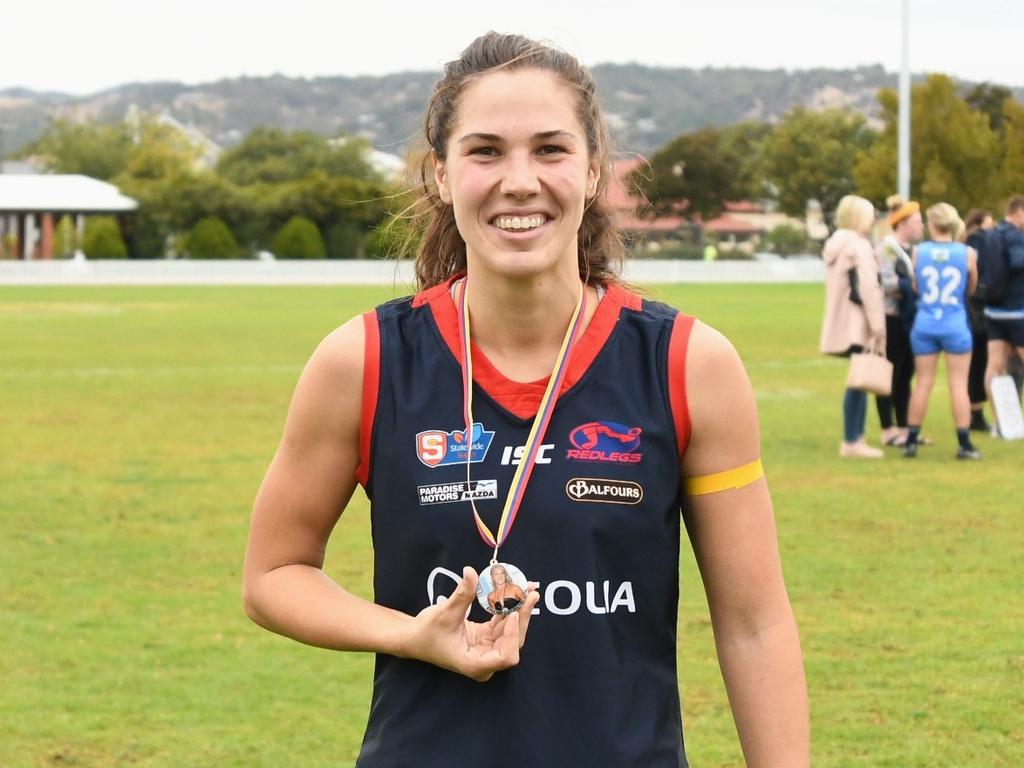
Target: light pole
x: 903, y: 164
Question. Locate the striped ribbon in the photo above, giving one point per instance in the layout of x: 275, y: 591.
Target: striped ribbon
x: 540, y: 422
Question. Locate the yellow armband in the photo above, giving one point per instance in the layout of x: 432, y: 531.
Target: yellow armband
x: 724, y: 481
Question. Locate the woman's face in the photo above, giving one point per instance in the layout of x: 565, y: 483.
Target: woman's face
x: 987, y: 223
x: 518, y: 173
x: 498, y: 576
x: 911, y: 229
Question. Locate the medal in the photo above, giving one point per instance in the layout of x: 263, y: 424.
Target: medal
x: 502, y: 587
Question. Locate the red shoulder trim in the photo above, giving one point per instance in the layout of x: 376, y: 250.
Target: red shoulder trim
x: 522, y: 399
x: 677, y: 348
x: 371, y: 388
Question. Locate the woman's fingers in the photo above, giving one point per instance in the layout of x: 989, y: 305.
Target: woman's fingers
x: 462, y: 598
x: 526, y: 611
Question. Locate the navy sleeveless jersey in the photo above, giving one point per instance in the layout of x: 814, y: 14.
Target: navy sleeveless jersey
x: 599, y: 529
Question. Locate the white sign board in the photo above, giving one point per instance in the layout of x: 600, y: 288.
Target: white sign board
x: 1007, y: 405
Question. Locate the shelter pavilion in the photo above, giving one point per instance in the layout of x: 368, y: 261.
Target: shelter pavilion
x: 30, y: 204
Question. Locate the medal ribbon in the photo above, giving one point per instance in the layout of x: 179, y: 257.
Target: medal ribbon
x: 540, y: 422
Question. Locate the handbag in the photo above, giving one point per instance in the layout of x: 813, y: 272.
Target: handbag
x: 870, y: 372
x: 855, y: 297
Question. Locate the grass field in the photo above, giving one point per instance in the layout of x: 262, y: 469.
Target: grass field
x: 136, y: 424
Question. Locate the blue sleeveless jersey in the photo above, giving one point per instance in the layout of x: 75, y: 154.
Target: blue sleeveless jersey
x: 599, y: 529
x: 942, y: 277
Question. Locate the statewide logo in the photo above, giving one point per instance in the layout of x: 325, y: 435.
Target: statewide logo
x: 604, y: 491
x: 439, y: 449
x: 445, y: 493
x: 605, y: 441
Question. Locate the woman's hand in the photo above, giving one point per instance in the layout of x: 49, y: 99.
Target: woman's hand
x: 441, y: 634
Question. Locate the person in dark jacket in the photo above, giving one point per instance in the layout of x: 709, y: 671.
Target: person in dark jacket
x: 1004, y: 315
x: 979, y: 222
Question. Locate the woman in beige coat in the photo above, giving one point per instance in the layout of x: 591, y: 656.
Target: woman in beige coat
x: 853, y: 320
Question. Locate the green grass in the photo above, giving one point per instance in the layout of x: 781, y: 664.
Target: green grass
x: 136, y: 424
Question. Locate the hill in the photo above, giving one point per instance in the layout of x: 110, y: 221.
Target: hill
x: 646, y: 106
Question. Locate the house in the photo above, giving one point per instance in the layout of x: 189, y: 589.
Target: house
x: 632, y: 210
x: 30, y: 205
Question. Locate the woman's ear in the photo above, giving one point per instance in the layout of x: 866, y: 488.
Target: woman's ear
x: 441, y: 179
x: 593, y: 177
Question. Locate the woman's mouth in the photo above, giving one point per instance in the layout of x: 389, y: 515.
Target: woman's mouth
x: 519, y: 223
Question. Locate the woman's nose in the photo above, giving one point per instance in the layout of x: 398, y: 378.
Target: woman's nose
x: 520, y: 177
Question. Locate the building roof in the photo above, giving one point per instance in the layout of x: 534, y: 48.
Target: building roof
x: 731, y: 225
x: 57, y: 193
x: 620, y: 193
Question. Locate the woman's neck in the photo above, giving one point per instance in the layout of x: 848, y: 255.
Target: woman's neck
x: 520, y: 323
x: 937, y: 238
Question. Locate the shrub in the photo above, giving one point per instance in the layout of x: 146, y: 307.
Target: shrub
x: 787, y: 240
x: 344, y: 240
x: 211, y: 239
x: 299, y: 239
x: 65, y: 238
x: 102, y: 239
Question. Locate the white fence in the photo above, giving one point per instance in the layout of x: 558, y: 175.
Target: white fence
x: 185, y: 272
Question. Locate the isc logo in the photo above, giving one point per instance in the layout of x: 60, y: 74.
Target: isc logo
x: 514, y: 454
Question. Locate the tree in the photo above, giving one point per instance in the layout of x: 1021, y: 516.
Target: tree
x: 692, y: 168
x: 211, y: 239
x: 270, y: 155
x: 743, y: 146
x: 1012, y: 171
x: 159, y: 152
x: 92, y: 149
x: 102, y: 239
x: 810, y: 155
x: 299, y: 239
x: 989, y: 99
x: 954, y: 150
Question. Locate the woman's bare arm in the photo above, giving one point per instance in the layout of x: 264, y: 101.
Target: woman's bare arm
x: 734, y: 538
x: 309, y: 482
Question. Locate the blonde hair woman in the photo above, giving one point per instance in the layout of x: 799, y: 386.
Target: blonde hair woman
x: 854, y: 309
x: 945, y: 272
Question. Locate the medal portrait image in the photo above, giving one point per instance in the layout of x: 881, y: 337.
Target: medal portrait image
x: 502, y: 589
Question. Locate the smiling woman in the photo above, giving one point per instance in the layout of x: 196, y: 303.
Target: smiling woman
x: 611, y: 414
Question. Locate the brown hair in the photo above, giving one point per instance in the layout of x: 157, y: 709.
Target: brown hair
x: 441, y: 252
x: 1015, y: 204
x: 975, y: 218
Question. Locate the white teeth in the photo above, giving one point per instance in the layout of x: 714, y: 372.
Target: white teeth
x: 520, y: 222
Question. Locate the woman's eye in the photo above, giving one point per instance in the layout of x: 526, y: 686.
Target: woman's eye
x: 551, y: 149
x: 484, y: 151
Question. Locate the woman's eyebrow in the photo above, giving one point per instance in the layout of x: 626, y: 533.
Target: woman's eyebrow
x: 481, y: 136
x: 558, y: 133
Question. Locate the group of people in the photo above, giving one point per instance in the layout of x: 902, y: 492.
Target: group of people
x: 959, y: 292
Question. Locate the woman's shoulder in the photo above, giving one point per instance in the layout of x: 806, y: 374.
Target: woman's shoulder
x: 341, y: 353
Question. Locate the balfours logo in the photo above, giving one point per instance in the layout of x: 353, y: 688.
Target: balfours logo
x: 605, y: 441
x: 604, y: 491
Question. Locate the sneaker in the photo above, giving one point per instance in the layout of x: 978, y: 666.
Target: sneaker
x: 968, y: 453
x: 910, y: 451
x: 979, y: 423
x: 860, y: 450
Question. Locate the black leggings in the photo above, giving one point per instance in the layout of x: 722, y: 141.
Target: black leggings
x: 897, y: 350
x: 979, y: 360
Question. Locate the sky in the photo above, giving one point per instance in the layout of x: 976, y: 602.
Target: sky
x: 81, y: 47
